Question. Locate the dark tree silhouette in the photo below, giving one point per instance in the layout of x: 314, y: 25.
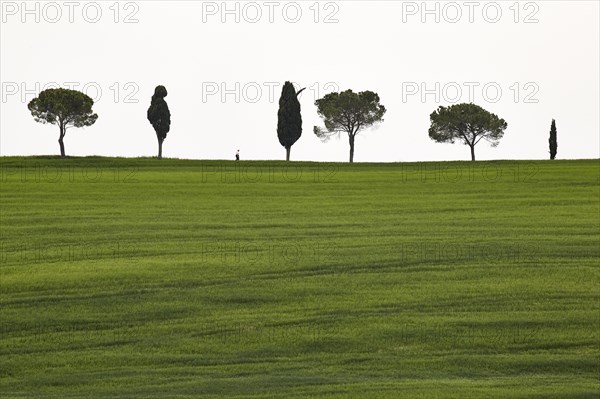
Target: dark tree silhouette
x: 289, y: 118
x: 468, y: 123
x: 65, y: 108
x: 159, y: 116
x: 552, y: 140
x: 348, y: 112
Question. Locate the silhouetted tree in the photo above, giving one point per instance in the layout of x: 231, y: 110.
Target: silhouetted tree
x: 65, y: 108
x: 348, y: 112
x: 552, y: 140
x: 289, y: 119
x: 468, y: 123
x: 159, y: 116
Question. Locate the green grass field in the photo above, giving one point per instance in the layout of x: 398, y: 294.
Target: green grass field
x: 135, y: 278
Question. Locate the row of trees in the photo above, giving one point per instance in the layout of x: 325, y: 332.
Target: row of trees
x: 342, y: 113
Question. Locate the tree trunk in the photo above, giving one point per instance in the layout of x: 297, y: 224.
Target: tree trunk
x: 472, y: 153
x: 351, y: 149
x: 62, y: 147
x: 160, y: 149
x: 60, y: 140
x: 287, y: 153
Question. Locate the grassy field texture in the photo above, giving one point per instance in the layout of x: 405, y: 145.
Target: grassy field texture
x: 131, y: 278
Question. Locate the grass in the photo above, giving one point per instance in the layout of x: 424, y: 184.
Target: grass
x: 125, y: 278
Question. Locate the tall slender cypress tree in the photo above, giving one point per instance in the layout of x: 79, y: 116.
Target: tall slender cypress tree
x: 159, y: 116
x: 289, y: 119
x: 552, y: 140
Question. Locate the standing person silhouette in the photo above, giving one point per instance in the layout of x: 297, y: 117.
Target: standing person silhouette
x: 237, y: 155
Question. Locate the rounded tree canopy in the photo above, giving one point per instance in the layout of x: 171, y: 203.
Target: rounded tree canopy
x: 466, y: 122
x: 64, y: 107
x: 348, y: 112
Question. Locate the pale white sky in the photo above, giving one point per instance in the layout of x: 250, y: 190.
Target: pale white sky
x: 224, y: 77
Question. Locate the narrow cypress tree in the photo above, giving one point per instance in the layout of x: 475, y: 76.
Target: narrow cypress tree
x: 159, y: 116
x: 552, y: 140
x: 289, y: 119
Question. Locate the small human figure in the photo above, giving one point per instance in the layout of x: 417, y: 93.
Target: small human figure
x: 237, y: 155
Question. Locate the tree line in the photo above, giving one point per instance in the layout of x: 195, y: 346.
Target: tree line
x: 346, y: 113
